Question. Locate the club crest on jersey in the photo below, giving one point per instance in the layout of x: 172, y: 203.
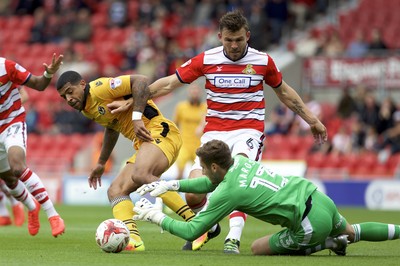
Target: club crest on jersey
x: 101, y: 110
x: 249, y: 70
x: 114, y: 83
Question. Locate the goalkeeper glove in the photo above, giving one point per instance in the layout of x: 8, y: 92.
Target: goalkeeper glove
x: 146, y: 211
x: 158, y: 187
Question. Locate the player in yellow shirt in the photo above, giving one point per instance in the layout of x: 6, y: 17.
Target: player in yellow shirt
x: 189, y: 117
x: 151, y: 158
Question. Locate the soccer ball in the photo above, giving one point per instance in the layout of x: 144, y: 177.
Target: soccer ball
x: 112, y: 235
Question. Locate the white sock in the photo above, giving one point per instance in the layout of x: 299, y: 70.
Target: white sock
x: 329, y: 243
x: 3, y: 207
x: 37, y: 189
x: 212, y: 229
x: 236, y: 225
x: 12, y: 201
x: 21, y: 193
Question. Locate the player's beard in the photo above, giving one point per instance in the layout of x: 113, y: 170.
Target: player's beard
x: 195, y: 101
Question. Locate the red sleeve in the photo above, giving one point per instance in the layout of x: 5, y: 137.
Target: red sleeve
x: 16, y: 73
x: 273, y: 76
x: 191, y: 69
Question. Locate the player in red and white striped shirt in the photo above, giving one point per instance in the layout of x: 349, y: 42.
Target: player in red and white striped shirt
x: 13, y: 138
x: 235, y: 75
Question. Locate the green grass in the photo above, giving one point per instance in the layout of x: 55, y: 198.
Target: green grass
x: 77, y: 246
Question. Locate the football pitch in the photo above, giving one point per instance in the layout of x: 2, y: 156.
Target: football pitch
x: 77, y: 246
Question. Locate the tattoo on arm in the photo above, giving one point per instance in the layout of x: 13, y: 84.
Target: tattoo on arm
x: 140, y: 91
x: 151, y: 94
x: 297, y: 107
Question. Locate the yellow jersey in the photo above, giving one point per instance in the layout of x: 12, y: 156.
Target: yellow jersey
x: 103, y: 91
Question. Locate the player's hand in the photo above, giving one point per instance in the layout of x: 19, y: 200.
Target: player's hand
x: 95, y: 176
x: 119, y: 106
x: 55, y: 64
x: 146, y: 211
x: 141, y: 131
x: 319, y: 132
x: 158, y: 187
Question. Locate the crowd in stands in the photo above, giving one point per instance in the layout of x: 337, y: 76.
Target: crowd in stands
x: 152, y: 37
x: 114, y: 37
x: 329, y: 43
x: 357, y: 124
x: 366, y: 28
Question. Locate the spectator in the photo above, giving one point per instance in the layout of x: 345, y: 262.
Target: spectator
x: 75, y: 60
x: 346, y: 106
x: 371, y: 139
x: 330, y: 44
x: 281, y: 120
x: 376, y: 45
x: 54, y: 26
x: 38, y: 30
x: 277, y: 14
x: 370, y: 110
x: 118, y: 13
x: 360, y: 93
x: 358, y: 136
x: 391, y: 137
x: 82, y: 28
x: 385, y: 115
x: 358, y: 47
x: 259, y: 32
x: 32, y: 118
x: 341, y: 141
x: 68, y: 20
x: 5, y: 7
x: 302, y: 10
x: 203, y: 12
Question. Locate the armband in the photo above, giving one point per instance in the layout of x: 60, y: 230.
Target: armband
x: 136, y: 115
x: 47, y: 75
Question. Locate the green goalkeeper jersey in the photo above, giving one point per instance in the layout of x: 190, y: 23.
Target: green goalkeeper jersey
x: 248, y: 187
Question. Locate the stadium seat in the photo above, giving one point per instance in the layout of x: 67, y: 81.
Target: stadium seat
x: 333, y: 161
x: 315, y: 160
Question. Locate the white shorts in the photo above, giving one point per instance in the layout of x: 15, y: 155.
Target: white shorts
x: 13, y: 135
x: 244, y: 141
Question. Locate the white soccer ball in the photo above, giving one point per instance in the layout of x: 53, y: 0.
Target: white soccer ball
x: 112, y: 235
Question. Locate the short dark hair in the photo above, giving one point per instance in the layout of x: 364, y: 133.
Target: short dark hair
x: 233, y: 21
x: 70, y: 76
x: 215, y: 151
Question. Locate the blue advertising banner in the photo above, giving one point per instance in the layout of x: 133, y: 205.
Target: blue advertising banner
x: 376, y: 194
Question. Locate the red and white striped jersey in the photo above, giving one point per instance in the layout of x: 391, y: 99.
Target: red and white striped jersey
x: 235, y: 97
x: 12, y: 76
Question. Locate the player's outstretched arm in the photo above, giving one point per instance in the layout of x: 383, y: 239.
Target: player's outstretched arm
x: 158, y: 88
x: 158, y: 187
x: 41, y: 82
x: 146, y: 211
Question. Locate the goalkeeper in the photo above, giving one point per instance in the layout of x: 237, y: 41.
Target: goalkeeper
x: 310, y: 219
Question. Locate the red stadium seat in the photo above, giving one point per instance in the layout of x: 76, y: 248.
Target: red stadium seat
x: 315, y: 160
